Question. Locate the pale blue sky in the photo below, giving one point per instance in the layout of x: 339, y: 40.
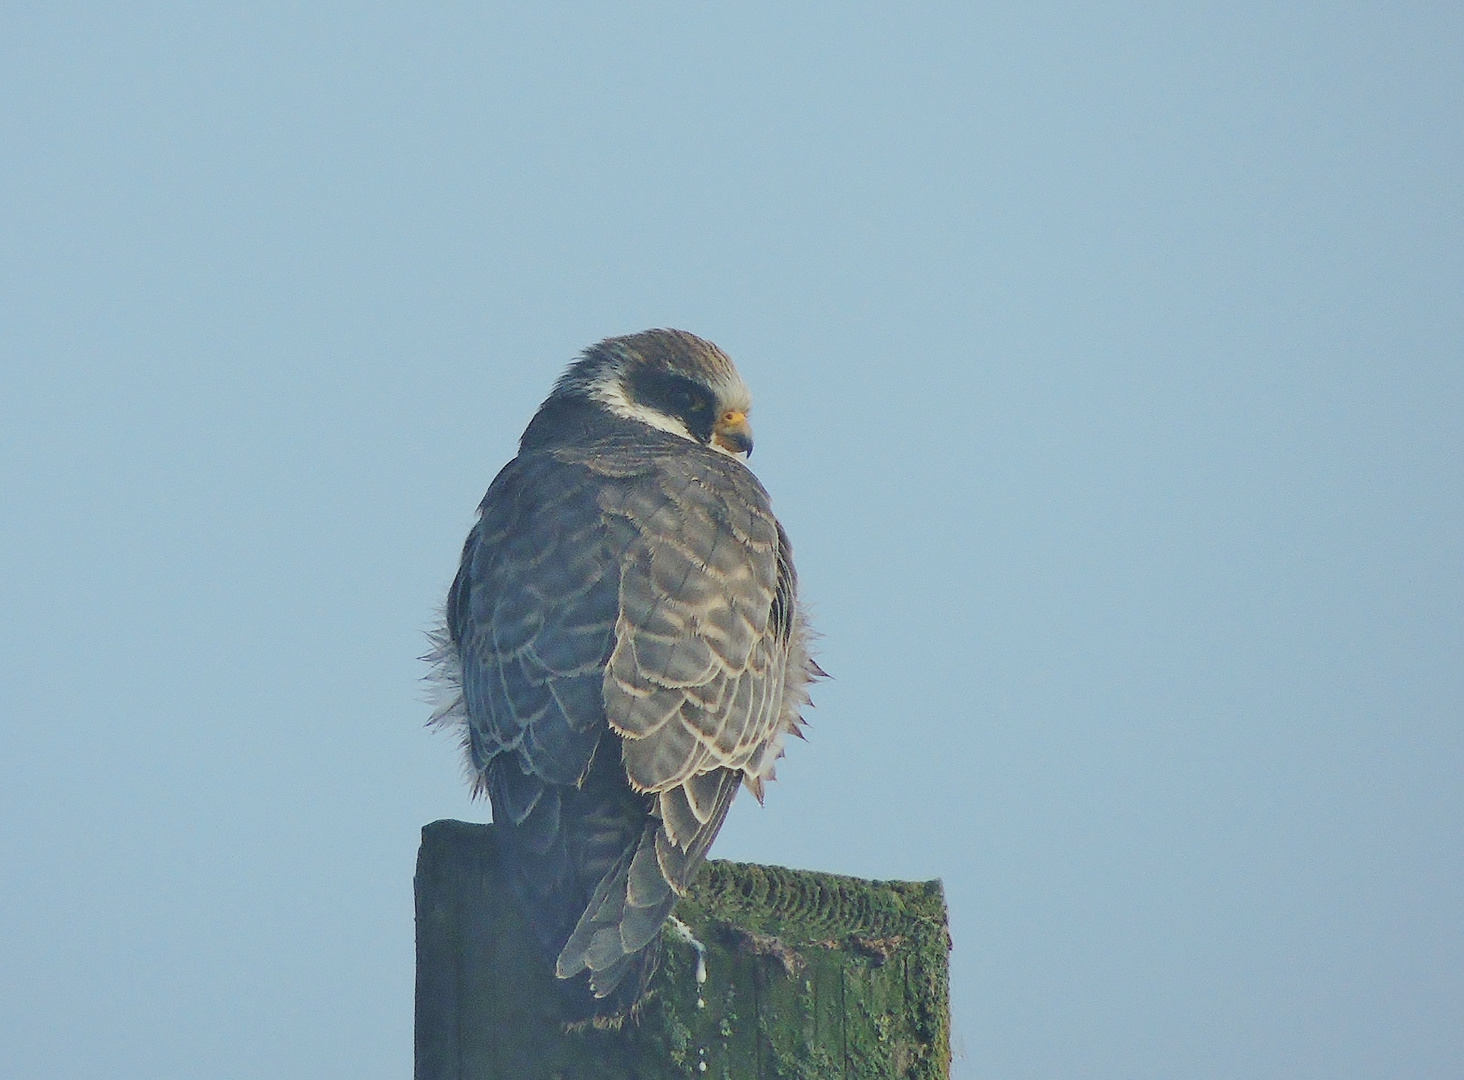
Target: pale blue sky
x: 1109, y: 380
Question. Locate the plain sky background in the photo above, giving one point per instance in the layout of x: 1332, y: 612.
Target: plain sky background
x: 1109, y: 381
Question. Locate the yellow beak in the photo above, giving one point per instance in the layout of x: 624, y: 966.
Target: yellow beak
x: 731, y: 432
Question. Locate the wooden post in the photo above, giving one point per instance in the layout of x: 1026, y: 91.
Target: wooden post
x: 807, y: 976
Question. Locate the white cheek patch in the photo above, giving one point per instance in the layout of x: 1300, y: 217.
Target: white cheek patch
x: 609, y: 391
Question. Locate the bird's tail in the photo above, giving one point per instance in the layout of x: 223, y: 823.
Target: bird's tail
x: 617, y: 939
x: 592, y: 899
x: 598, y: 869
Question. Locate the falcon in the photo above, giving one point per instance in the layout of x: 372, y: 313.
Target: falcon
x: 623, y: 649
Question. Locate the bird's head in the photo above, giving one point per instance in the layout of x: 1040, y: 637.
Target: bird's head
x: 670, y: 380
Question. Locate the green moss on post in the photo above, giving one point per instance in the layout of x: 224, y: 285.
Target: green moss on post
x: 808, y: 976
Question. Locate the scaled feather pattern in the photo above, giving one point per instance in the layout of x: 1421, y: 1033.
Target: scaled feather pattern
x: 624, y: 649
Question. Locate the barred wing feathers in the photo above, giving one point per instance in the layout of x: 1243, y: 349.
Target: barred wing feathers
x: 646, y: 591
x: 532, y: 613
x: 706, y: 674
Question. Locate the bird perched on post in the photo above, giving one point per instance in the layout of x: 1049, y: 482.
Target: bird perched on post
x: 623, y: 649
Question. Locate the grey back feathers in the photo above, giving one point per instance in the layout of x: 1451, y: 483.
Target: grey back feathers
x: 625, y: 649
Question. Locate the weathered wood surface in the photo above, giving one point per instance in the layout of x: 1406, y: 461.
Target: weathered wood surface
x: 808, y: 976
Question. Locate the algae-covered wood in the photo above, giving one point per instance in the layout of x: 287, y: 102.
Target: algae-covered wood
x: 808, y: 976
